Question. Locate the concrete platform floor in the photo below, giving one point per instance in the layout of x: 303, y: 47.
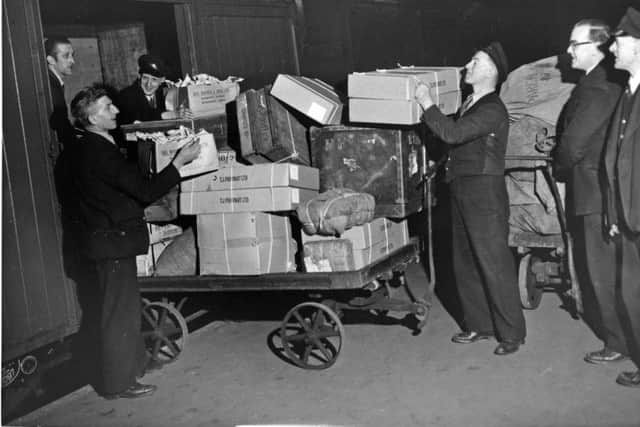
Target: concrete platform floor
x: 384, y: 376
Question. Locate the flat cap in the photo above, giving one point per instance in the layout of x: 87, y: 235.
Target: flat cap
x: 629, y: 24
x: 499, y: 58
x: 152, y: 65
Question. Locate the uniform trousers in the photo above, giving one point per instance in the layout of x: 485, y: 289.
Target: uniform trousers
x: 630, y: 291
x: 484, y: 266
x: 121, y: 343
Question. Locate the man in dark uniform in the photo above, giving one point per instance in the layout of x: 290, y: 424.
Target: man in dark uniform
x: 578, y: 159
x: 113, y: 194
x: 60, y: 63
x: 144, y: 99
x: 483, y: 263
x: 622, y: 164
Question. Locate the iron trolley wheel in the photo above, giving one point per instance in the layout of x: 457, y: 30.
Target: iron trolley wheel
x: 164, y: 331
x: 312, y: 335
x: 530, y: 290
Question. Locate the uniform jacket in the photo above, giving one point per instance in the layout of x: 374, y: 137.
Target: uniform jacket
x: 113, y: 194
x: 59, y: 119
x: 625, y: 153
x: 133, y: 104
x: 586, y: 117
x: 477, y: 139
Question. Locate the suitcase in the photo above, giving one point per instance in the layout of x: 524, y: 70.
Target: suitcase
x: 386, y: 163
x: 268, y: 130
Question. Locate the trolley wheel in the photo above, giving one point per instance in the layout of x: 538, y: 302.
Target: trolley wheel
x: 164, y: 331
x: 312, y: 335
x: 530, y: 291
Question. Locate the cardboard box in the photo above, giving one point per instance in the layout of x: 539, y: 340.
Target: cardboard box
x: 202, y: 99
x: 398, y: 112
x: 163, y: 153
x: 255, y: 176
x: 238, y: 257
x: 159, y: 233
x: 146, y: 264
x: 215, y: 124
x: 227, y: 158
x: 337, y: 254
x: 312, y: 97
x: 275, y: 199
x: 400, y: 83
x: 370, y: 234
x: 214, y: 230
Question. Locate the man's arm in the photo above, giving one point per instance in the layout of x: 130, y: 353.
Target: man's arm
x: 485, y: 119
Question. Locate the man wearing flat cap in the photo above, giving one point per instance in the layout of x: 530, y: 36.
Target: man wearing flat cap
x: 144, y: 99
x: 483, y: 263
x: 622, y: 165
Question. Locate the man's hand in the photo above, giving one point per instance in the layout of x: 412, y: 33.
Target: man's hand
x: 613, y: 230
x: 423, y: 97
x: 187, y: 154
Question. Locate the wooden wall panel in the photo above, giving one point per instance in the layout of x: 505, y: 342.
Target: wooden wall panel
x: 41, y: 297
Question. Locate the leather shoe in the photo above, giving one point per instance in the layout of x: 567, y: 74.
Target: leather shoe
x: 604, y: 356
x: 135, y: 391
x: 151, y: 365
x: 469, y: 337
x: 507, y: 347
x: 629, y: 379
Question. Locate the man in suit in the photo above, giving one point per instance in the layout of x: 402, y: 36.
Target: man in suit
x: 622, y: 163
x: 60, y: 63
x: 113, y: 194
x: 578, y: 160
x: 144, y: 99
x: 483, y: 263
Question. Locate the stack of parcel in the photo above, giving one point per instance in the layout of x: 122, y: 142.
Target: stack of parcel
x: 311, y: 194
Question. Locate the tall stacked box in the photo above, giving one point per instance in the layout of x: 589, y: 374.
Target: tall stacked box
x: 356, y: 248
x: 265, y: 188
x: 245, y: 243
x: 386, y: 163
x: 388, y: 96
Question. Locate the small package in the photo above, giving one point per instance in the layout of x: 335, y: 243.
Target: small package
x: 312, y: 97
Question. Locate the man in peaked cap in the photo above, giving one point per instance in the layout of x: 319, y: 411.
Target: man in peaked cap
x: 483, y: 264
x: 144, y: 99
x: 622, y: 165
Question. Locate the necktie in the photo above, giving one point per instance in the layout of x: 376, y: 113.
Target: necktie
x: 152, y: 101
x: 466, y: 104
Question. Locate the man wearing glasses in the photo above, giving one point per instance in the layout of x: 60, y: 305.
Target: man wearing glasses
x: 622, y: 164
x: 582, y: 132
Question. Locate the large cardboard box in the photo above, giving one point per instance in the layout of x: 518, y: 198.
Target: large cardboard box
x: 202, y: 99
x: 215, y: 230
x: 255, y: 176
x: 383, y: 162
x: 390, y: 111
x: 400, y: 83
x: 312, y: 97
x: 238, y: 257
x: 341, y: 254
x: 274, y: 199
x: 369, y: 234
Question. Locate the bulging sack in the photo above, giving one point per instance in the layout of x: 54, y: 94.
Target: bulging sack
x: 334, y: 211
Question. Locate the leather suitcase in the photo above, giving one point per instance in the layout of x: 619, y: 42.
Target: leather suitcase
x: 289, y: 137
x: 386, y: 163
x: 253, y: 125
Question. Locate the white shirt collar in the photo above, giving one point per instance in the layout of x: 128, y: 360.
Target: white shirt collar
x: 591, y: 69
x: 634, y: 81
x: 55, y: 73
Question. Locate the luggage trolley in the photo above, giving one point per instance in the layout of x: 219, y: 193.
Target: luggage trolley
x: 311, y: 333
x: 544, y: 260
